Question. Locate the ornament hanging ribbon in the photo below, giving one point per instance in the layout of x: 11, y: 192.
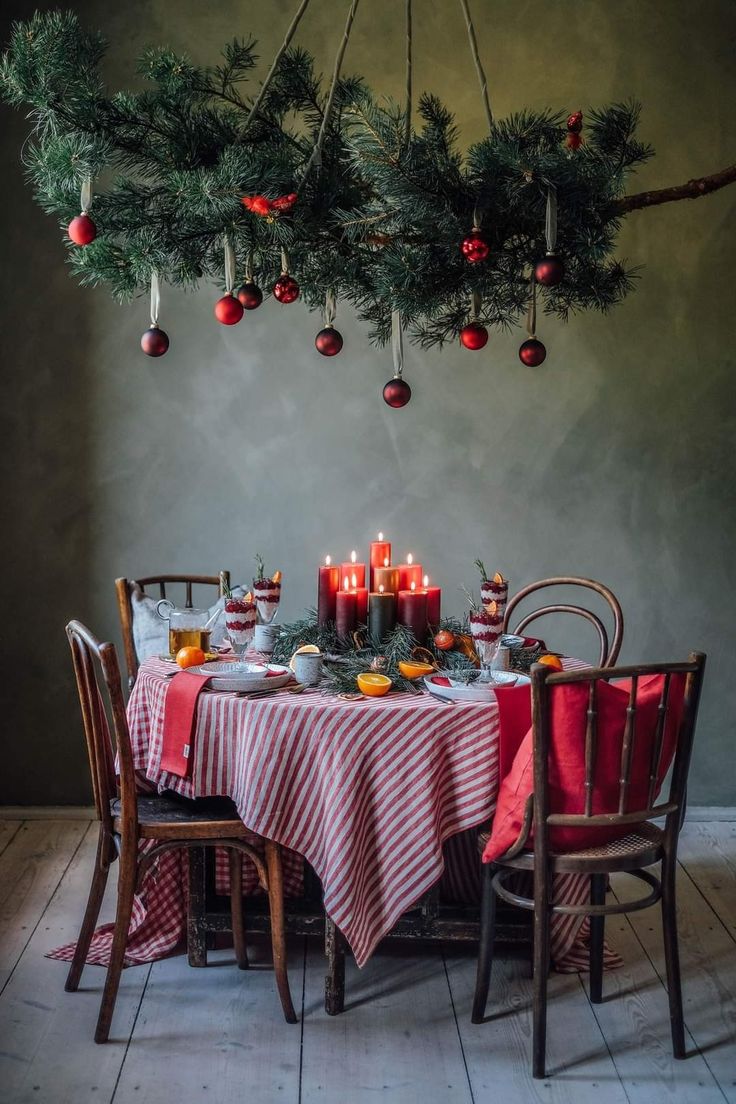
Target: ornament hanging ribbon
x: 531, y: 314
x: 85, y: 195
x: 155, y: 298
x: 476, y: 302
x: 550, y: 221
x: 330, y: 308
x: 229, y: 266
x: 397, y: 343
x: 284, y: 263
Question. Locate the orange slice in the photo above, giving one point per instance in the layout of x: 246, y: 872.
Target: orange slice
x: 552, y: 661
x: 373, y: 685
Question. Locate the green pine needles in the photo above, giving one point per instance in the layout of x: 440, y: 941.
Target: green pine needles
x: 378, y: 220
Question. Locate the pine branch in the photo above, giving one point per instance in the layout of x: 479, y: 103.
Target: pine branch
x: 694, y: 189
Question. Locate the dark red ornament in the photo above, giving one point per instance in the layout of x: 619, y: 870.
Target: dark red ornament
x: 474, y: 335
x: 228, y: 310
x: 328, y: 341
x: 154, y: 342
x: 286, y: 289
x: 250, y: 295
x: 397, y: 392
x: 532, y: 352
x: 550, y: 271
x: 475, y: 246
x: 82, y: 230
x: 575, y: 122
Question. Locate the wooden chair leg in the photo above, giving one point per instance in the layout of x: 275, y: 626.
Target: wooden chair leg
x: 278, y: 928
x: 105, y: 855
x: 485, y: 945
x: 597, y: 933
x: 236, y: 907
x: 541, y: 972
x: 127, y: 872
x: 335, y: 977
x: 672, y: 957
x: 196, y: 934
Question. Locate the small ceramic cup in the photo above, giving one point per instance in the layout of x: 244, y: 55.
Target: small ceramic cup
x: 308, y: 667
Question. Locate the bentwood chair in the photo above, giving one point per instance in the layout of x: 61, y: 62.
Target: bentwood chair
x: 127, y: 819
x: 124, y: 589
x: 640, y: 844
x: 608, y: 653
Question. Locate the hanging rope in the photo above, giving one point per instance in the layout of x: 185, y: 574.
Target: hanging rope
x: 229, y: 266
x: 316, y: 157
x: 274, y: 66
x: 550, y: 223
x: 330, y: 308
x: 531, y: 314
x: 397, y: 343
x: 155, y: 298
x: 407, y: 132
x: 478, y: 64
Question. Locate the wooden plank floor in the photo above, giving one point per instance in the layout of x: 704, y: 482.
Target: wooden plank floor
x: 217, y: 1035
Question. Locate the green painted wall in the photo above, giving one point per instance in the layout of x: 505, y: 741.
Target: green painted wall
x: 615, y: 460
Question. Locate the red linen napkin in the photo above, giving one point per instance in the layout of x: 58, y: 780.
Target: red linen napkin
x: 180, y: 710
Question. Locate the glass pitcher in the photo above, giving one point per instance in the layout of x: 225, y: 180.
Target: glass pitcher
x: 188, y: 628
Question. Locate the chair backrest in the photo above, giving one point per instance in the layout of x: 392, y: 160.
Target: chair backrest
x: 622, y: 818
x: 105, y: 724
x: 608, y: 652
x: 124, y: 589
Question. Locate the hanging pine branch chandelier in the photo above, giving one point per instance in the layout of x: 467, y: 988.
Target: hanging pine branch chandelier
x: 326, y: 193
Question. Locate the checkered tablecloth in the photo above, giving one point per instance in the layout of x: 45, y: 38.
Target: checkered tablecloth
x: 379, y: 795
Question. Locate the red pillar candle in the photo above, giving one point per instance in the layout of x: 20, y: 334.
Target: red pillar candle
x: 380, y: 557
x: 409, y: 573
x: 346, y: 615
x: 361, y: 605
x: 328, y: 584
x: 350, y: 568
x: 413, y: 612
x: 434, y: 601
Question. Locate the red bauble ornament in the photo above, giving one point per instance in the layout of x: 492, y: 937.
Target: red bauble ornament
x: 154, y: 342
x: 250, y: 295
x: 550, y: 271
x: 474, y: 335
x: 575, y: 122
x: 532, y: 353
x: 228, y: 310
x: 286, y: 289
x: 573, y: 141
x: 82, y: 230
x: 397, y: 392
x: 475, y: 247
x: 328, y: 341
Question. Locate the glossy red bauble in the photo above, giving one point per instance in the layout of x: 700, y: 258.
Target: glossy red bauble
x: 474, y: 336
x: 550, y: 271
x: 575, y: 122
x: 154, y: 342
x: 286, y: 289
x: 82, y: 230
x: 397, y: 392
x: 250, y: 295
x: 532, y: 353
x: 328, y: 341
x: 228, y: 310
x: 475, y: 247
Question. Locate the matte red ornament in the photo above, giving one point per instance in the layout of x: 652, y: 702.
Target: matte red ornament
x: 250, y: 295
x: 397, y: 392
x: 575, y: 122
x: 550, y: 271
x: 474, y: 335
x: 328, y: 341
x: 532, y: 352
x: 228, y: 310
x: 154, y: 342
x: 82, y: 230
x: 573, y: 141
x: 475, y: 246
x: 286, y: 289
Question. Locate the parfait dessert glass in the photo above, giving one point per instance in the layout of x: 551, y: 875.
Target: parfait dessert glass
x: 486, y: 627
x: 240, y: 623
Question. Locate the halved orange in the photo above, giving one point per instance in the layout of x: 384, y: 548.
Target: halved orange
x: 552, y: 661
x: 413, y: 669
x: 373, y: 685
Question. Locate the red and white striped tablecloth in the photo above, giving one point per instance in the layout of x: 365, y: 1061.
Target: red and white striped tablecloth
x: 367, y: 791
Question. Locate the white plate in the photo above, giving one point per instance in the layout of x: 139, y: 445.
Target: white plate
x: 475, y: 692
x: 253, y: 676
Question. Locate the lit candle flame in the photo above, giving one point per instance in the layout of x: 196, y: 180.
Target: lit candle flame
x: 410, y: 559
x: 380, y: 536
x: 355, y: 581
x: 353, y: 556
x: 346, y: 583
x: 425, y: 581
x: 380, y: 588
x: 413, y: 585
x: 328, y: 561
x: 385, y: 561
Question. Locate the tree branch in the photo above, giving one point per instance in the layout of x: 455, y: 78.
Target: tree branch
x: 692, y: 190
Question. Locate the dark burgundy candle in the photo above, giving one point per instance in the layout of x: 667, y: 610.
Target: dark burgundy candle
x: 346, y: 613
x: 413, y: 612
x: 327, y: 588
x: 434, y: 600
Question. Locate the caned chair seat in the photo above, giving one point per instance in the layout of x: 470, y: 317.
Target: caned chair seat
x: 160, y: 816
x: 642, y: 847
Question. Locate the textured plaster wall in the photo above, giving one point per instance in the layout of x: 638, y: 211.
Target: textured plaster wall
x: 615, y: 460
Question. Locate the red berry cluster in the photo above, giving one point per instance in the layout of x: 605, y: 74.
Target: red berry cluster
x: 574, y: 138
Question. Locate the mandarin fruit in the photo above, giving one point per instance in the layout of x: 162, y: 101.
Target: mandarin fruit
x: 190, y: 657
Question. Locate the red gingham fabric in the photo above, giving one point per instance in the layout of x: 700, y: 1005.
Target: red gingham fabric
x: 367, y: 791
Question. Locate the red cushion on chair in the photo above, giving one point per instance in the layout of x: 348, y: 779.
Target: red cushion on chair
x: 568, y: 708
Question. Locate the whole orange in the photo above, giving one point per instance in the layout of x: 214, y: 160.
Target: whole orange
x: 444, y: 640
x: 552, y: 661
x: 190, y: 657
